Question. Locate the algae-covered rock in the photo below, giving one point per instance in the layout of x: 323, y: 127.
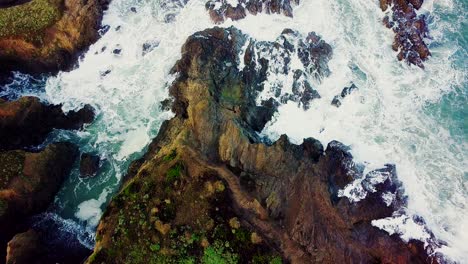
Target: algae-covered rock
x: 279, y: 202
x: 46, y: 35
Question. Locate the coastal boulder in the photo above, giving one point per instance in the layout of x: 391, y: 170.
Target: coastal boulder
x: 27, y: 121
x: 89, y: 165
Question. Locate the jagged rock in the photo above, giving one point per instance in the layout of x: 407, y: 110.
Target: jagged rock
x: 287, y: 193
x: 29, y: 182
x: 275, y: 60
x: 345, y: 92
x: 410, y: 30
x: 27, y: 121
x: 220, y: 10
x: 51, y: 36
x: 89, y: 165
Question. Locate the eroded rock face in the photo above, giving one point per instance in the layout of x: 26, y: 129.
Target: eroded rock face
x: 29, y: 182
x: 25, y: 248
x: 221, y: 10
x: 57, y: 46
x: 410, y: 30
x: 287, y: 194
x: 27, y: 121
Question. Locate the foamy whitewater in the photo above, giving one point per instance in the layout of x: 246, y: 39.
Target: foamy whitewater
x: 400, y: 114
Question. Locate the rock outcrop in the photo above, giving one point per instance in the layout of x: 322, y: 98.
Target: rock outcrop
x: 209, y: 189
x: 47, y: 35
x: 29, y: 182
x: 25, y: 248
x: 221, y: 10
x: 27, y: 121
x: 410, y: 30
x: 89, y: 165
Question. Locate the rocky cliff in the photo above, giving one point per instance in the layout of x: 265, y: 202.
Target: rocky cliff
x: 47, y: 35
x: 211, y: 190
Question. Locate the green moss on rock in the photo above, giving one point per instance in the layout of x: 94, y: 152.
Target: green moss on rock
x: 29, y: 18
x: 186, y: 223
x: 11, y: 165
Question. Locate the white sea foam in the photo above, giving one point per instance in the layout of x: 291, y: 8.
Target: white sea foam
x: 90, y: 211
x: 383, y: 121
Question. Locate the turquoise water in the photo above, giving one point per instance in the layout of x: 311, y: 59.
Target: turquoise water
x: 416, y: 119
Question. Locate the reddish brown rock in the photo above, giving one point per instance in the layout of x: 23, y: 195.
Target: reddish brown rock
x: 410, y: 30
x: 287, y: 193
x: 221, y: 10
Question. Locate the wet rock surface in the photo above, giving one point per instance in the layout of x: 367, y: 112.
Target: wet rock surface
x: 27, y: 121
x: 220, y: 10
x: 89, y: 165
x: 269, y: 66
x: 337, y: 100
x: 208, y: 171
x: 410, y: 30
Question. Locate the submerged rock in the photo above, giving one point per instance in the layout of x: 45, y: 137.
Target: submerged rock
x: 89, y: 165
x: 410, y: 30
x: 208, y: 180
x: 346, y: 91
x: 46, y: 36
x: 27, y: 121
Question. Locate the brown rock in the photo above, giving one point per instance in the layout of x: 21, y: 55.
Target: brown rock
x: 220, y: 10
x: 27, y: 121
x: 89, y: 165
x: 29, y: 182
x: 410, y: 30
x: 286, y: 192
x: 60, y: 43
x: 25, y: 248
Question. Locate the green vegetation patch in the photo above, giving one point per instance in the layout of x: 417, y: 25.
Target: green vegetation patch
x: 173, y: 174
x: 171, y: 156
x: 171, y: 217
x: 28, y: 18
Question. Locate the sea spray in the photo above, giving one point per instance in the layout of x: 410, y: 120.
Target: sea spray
x: 393, y: 117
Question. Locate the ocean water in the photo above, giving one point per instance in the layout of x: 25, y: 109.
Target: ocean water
x: 400, y: 114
